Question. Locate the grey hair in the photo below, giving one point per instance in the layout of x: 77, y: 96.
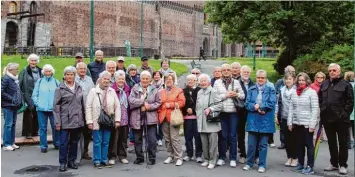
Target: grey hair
x: 226, y: 65
x: 204, y: 76
x: 191, y: 76
x: 120, y: 73
x: 33, y: 57
x: 306, y: 77
x: 244, y: 67
x: 195, y: 69
x: 10, y: 66
x: 147, y: 73
x: 70, y: 69
x: 80, y: 63
x: 336, y: 65
x: 48, y: 67
x: 111, y: 62
x: 131, y: 66
x: 237, y: 64
x: 288, y: 68
x: 217, y: 67
x: 104, y: 74
x: 320, y: 73
x: 261, y: 72
x: 99, y: 51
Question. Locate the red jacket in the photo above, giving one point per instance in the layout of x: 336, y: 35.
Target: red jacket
x: 176, y: 95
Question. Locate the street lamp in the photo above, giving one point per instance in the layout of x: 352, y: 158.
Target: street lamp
x: 91, y: 30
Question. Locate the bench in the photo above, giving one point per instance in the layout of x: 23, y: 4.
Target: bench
x: 194, y: 65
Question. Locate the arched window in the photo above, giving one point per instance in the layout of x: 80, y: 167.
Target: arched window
x: 12, y: 7
x: 33, y: 7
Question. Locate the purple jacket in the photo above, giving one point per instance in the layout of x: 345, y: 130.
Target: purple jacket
x: 135, y: 101
x: 124, y: 110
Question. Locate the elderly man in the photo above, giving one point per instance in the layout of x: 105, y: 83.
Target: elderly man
x: 79, y: 57
x: 86, y: 84
x: 336, y: 102
x: 120, y: 64
x: 196, y: 72
x: 97, y: 66
x: 217, y: 74
x: 145, y: 66
x: 235, y: 70
x: 111, y: 68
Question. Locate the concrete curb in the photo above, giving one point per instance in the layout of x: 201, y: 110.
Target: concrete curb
x: 33, y: 141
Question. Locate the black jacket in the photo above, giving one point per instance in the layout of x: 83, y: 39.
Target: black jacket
x: 243, y: 112
x: 336, y: 101
x: 27, y: 84
x: 95, y: 69
x: 190, y: 100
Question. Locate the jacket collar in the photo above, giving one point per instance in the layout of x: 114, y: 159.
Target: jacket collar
x: 63, y: 86
x: 207, y: 90
x: 29, y: 71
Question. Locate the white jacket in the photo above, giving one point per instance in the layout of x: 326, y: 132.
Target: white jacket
x: 228, y: 104
x: 93, y: 107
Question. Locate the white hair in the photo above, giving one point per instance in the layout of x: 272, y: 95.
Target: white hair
x: 235, y: 64
x: 206, y: 76
x: 334, y: 65
x: 104, y: 74
x: 147, y: 73
x: 131, y: 67
x: 69, y: 69
x: 195, y: 69
x: 120, y: 73
x: 261, y: 72
x: 48, y: 67
x: 288, y: 68
x: 99, y: 51
x: 245, y: 67
x: 33, y: 57
x: 111, y: 62
x: 10, y: 66
x: 79, y: 64
x: 226, y: 66
x: 191, y: 76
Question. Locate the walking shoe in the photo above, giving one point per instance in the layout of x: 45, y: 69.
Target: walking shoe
x: 294, y: 163
x: 211, y: 166
x: 308, y: 170
x: 87, y: 156
x: 199, y: 160
x: 106, y: 165
x: 288, y: 162
x: 124, y: 161
x: 186, y: 158
x: 179, y: 162
x: 343, y: 171
x: 72, y: 165
x: 168, y: 160
x: 299, y: 168
x: 272, y: 145
x: 242, y: 160
x: 98, y: 166
x: 246, y: 168
x: 261, y: 170
x: 44, y: 150
x: 8, y: 148
x: 62, y: 168
x: 138, y: 161
x: 233, y: 163
x: 282, y: 146
x: 331, y: 168
x: 151, y: 162
x: 160, y: 143
x: 220, y: 162
x: 204, y: 164
x: 112, y: 161
x: 15, y: 146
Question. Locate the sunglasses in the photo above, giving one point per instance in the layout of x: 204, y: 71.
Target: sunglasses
x: 226, y: 70
x: 332, y: 70
x: 195, y: 73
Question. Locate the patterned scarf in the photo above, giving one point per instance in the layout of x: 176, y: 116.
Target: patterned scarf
x: 227, y: 81
x: 166, y: 72
x: 123, y: 97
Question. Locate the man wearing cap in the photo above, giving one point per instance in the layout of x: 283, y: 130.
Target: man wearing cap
x: 79, y: 57
x: 120, y: 64
x: 145, y: 66
x: 97, y: 66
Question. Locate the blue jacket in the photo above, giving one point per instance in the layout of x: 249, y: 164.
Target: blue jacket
x: 11, y: 95
x: 44, y: 92
x: 255, y: 121
x: 95, y: 69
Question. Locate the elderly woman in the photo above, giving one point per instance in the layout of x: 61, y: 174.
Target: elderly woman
x: 208, y: 130
x: 217, y: 74
x: 172, y: 97
x: 190, y: 122
x: 260, y: 104
x: 144, y: 102
x: 68, y: 112
x: 28, y: 78
x: 11, y: 102
x: 349, y: 76
x: 133, y: 77
x: 102, y: 97
x: 159, y: 84
x: 166, y: 70
x: 43, y: 98
x: 228, y: 89
x: 118, y: 140
x: 111, y: 68
x: 302, y: 120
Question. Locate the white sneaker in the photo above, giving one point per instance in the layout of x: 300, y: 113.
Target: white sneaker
x: 204, y: 164
x: 261, y: 170
x: 15, y: 146
x: 220, y: 162
x: 168, y: 160
x: 343, y: 171
x: 233, y: 163
x: 246, y: 168
x: 111, y: 162
x: 124, y: 161
x: 160, y: 143
x: 242, y: 160
x: 288, y: 162
x: 211, y: 166
x: 179, y: 162
x: 272, y: 145
x: 199, y: 160
x: 8, y: 148
x: 186, y: 158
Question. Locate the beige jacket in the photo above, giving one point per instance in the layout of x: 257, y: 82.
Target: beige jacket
x: 93, y: 107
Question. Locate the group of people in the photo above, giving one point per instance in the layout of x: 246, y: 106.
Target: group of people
x: 142, y: 102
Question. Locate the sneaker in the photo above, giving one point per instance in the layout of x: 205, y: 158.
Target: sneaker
x: 124, y: 161
x: 168, y: 160
x: 308, y: 170
x: 242, y: 160
x: 199, y: 160
x: 98, y: 166
x: 8, y: 148
x: 299, y: 168
x: 331, y: 168
x: 288, y: 162
x: 272, y: 145
x: 343, y: 171
x: 160, y: 143
x: 233, y: 163
x: 294, y: 163
x: 204, y: 164
x: 44, y: 150
x: 220, y: 162
x: 106, y: 165
x: 15, y: 146
x: 112, y: 162
x: 186, y: 158
x: 179, y: 162
x: 246, y: 168
x: 211, y: 166
x: 261, y: 170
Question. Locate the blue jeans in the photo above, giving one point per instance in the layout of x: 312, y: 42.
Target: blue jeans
x: 68, y: 145
x: 229, y: 123
x: 255, y: 138
x: 101, y: 142
x: 131, y: 135
x: 42, y: 123
x: 160, y: 135
x: 10, y: 116
x: 191, y: 132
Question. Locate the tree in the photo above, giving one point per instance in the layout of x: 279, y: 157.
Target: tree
x: 292, y: 25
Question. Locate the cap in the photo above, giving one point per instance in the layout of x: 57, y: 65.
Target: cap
x: 144, y: 58
x: 120, y: 58
x: 79, y: 54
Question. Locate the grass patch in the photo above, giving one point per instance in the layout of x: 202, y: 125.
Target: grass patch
x: 60, y: 63
x: 261, y: 63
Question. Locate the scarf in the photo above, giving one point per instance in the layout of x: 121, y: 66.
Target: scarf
x: 227, y: 81
x: 15, y: 78
x: 122, y: 97
x: 166, y: 72
x: 168, y: 88
x: 300, y: 89
x: 287, y: 93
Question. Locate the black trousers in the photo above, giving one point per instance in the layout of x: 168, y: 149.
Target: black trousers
x: 68, y: 145
x: 241, y: 136
x: 304, y: 140
x: 118, y: 143
x: 337, y: 132
x: 30, y: 123
x: 290, y: 141
x: 152, y: 142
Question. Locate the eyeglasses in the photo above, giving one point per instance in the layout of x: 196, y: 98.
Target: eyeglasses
x: 195, y: 73
x: 260, y: 77
x: 332, y: 70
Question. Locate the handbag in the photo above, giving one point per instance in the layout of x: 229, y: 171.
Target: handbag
x: 238, y: 103
x: 105, y: 121
x: 177, y: 118
x: 213, y: 116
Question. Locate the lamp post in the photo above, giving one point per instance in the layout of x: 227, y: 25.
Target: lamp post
x: 354, y: 71
x: 142, y: 25
x: 216, y: 41
x: 91, y: 30
x: 254, y: 53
